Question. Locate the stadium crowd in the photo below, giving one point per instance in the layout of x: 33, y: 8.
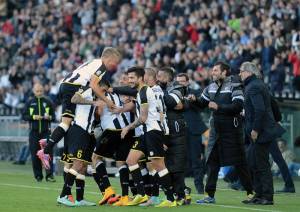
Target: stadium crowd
x: 44, y: 40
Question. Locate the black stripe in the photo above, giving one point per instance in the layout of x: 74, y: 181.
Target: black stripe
x: 117, y: 123
x: 90, y: 117
x: 124, y: 119
x: 112, y: 98
x: 160, y: 126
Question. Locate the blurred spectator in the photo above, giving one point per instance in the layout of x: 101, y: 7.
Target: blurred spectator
x: 287, y: 155
x: 277, y: 75
x: 47, y: 38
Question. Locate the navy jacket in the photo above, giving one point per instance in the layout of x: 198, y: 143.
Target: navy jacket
x: 258, y: 111
x: 192, y: 116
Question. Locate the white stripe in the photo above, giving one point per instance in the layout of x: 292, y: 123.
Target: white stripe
x: 98, y: 163
x: 80, y: 177
x: 242, y: 208
x: 204, y: 97
x: 122, y: 167
x: 163, y: 172
x: 97, y: 193
x: 225, y: 92
x: 175, y: 97
x: 134, y: 167
x: 66, y: 169
x: 238, y: 97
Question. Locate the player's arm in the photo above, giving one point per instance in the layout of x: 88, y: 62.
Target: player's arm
x: 77, y: 98
x: 126, y: 108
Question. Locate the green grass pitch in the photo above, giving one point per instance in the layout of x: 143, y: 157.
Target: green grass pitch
x: 20, y: 192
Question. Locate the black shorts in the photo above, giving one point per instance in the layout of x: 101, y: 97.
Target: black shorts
x: 110, y: 145
x: 66, y: 92
x: 80, y: 144
x: 139, y: 144
x: 154, y: 144
x: 65, y: 158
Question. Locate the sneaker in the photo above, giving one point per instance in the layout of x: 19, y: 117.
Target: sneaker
x: 50, y: 179
x: 151, y: 202
x: 43, y: 143
x: 286, y: 190
x: 39, y: 179
x: 206, y: 200
x: 252, y: 200
x: 45, y: 158
x: 109, y: 192
x: 113, y: 199
x: 138, y: 199
x: 84, y: 203
x: 123, y: 201
x: 166, y: 203
x: 65, y: 201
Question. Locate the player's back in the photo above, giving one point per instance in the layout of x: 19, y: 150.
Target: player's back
x: 82, y: 75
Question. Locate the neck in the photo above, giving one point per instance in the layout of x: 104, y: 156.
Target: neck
x: 141, y: 85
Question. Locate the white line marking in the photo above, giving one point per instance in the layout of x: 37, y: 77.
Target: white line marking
x: 97, y: 193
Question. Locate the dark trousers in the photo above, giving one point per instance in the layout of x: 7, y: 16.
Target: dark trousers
x: 34, y: 147
x: 258, y: 158
x: 213, y: 168
x: 196, y: 164
x: 278, y: 159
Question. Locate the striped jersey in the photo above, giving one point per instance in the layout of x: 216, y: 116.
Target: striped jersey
x: 162, y: 109
x: 84, y: 114
x: 82, y: 75
x: 153, y: 122
x: 113, y: 121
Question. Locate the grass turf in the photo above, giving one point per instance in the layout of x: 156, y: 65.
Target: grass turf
x: 20, y: 192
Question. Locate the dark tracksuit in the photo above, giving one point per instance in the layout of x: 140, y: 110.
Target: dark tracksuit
x: 195, y: 128
x: 226, y: 143
x: 38, y: 129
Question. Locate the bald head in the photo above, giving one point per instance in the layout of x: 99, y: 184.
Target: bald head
x: 38, y: 90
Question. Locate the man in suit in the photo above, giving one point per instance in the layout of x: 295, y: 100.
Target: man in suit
x: 195, y: 129
x: 261, y: 129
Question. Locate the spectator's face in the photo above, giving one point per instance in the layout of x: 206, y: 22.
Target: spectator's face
x: 38, y: 90
x: 281, y: 146
x: 244, y: 74
x: 182, y: 81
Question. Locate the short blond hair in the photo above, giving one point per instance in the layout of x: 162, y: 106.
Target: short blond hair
x: 111, y: 51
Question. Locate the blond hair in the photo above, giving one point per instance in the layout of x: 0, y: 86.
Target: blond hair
x: 111, y: 51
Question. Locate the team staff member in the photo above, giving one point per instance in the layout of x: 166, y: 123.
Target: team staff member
x: 39, y: 111
x: 261, y: 129
x: 195, y: 128
x: 225, y: 147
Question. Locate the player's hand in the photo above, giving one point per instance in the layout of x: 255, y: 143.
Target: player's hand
x: 37, y: 117
x: 98, y: 103
x: 165, y: 147
x: 124, y: 132
x: 47, y: 117
x: 191, y: 97
x: 254, y: 135
x: 76, y: 98
x: 213, y: 105
x: 110, y: 90
x: 117, y: 110
x: 110, y: 105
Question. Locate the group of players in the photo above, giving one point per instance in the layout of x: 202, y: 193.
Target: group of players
x: 133, y: 128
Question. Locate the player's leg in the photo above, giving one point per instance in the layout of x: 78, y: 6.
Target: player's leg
x: 156, y: 154
x: 135, y: 154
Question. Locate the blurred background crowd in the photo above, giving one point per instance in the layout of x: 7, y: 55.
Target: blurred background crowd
x: 44, y: 40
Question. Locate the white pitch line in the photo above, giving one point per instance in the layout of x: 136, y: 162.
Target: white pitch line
x: 96, y: 193
x: 243, y: 208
